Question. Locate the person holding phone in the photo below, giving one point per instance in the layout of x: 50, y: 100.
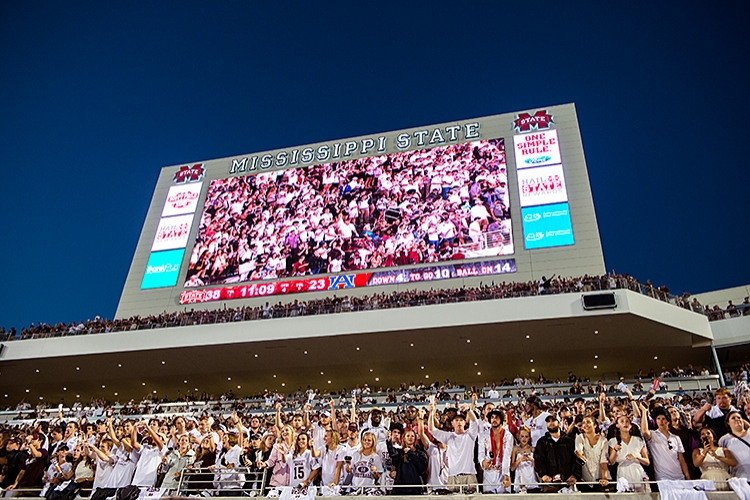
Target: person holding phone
x: 713, y: 460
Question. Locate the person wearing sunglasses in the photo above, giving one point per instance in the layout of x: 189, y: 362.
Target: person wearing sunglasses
x: 666, y: 448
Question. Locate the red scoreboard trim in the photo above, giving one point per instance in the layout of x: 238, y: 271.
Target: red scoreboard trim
x: 351, y: 280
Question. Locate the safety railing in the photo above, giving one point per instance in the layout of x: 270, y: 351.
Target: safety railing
x: 221, y: 481
x: 375, y: 302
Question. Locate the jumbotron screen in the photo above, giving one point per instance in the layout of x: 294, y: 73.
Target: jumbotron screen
x: 455, y: 201
x: 425, y: 206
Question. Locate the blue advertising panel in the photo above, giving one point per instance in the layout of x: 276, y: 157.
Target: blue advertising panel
x: 547, y: 226
x: 162, y: 269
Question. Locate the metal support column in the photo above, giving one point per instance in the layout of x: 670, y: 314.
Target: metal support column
x: 718, y: 366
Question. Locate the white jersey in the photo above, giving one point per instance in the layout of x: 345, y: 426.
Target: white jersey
x: 362, y: 474
x: 148, y: 464
x: 301, y: 467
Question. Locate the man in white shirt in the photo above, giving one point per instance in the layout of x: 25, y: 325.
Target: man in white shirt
x: 622, y: 386
x: 460, y: 445
x: 666, y: 448
x: 537, y: 421
x: 495, y: 448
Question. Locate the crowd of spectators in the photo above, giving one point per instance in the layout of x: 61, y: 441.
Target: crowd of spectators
x: 383, y: 211
x: 621, y: 440
x: 338, y: 304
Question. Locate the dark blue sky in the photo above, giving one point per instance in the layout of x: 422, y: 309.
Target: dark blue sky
x: 95, y: 97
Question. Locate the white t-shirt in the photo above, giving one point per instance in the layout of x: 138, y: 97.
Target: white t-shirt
x: 538, y: 426
x: 328, y: 461
x: 664, y: 451
x: 148, y: 464
x: 460, y: 449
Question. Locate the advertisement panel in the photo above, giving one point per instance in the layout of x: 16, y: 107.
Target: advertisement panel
x: 422, y: 206
x: 162, y: 269
x: 547, y: 226
x: 172, y: 232
x: 537, y: 149
x: 542, y: 185
x: 182, y: 199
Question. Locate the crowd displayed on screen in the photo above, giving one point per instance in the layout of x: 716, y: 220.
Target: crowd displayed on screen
x: 454, y: 439
x: 384, y: 211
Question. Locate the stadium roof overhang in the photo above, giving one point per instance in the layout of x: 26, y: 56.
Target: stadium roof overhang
x: 471, y: 343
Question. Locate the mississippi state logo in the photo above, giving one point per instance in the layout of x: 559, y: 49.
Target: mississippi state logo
x: 187, y: 173
x: 538, y: 121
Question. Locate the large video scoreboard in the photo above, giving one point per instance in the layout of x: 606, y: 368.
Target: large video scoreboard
x: 500, y: 198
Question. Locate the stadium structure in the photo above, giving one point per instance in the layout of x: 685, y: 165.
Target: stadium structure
x: 459, y: 205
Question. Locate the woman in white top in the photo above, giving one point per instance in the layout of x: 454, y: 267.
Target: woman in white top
x: 737, y: 442
x: 126, y: 457
x: 713, y: 460
x: 103, y: 461
x: 522, y: 461
x: 331, y: 459
x: 303, y: 462
x: 630, y: 454
x: 593, y: 450
x: 366, y: 466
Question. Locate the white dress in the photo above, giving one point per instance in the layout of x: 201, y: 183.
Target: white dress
x: 714, y: 469
x: 526, y: 475
x: 632, y: 470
